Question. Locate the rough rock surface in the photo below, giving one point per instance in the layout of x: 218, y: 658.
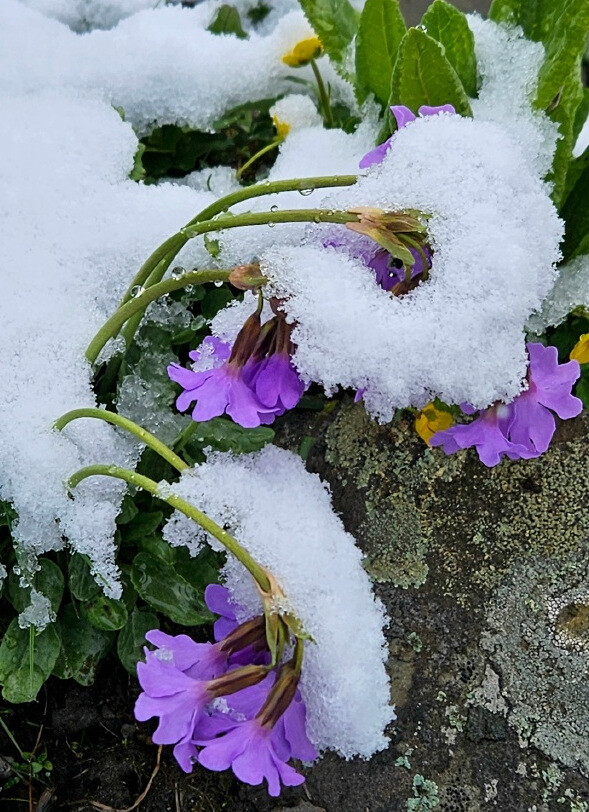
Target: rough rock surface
x: 485, y: 573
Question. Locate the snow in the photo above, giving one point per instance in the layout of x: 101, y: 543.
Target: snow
x: 283, y: 516
x: 571, y: 290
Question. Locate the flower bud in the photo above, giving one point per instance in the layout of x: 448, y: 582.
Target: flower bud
x: 280, y: 696
x: 250, y: 633
x: 236, y: 680
x: 303, y: 52
x: 247, y: 277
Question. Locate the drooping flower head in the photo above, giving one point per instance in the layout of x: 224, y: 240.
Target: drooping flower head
x: 222, y: 713
x: 523, y: 428
x: 253, y: 382
x: 403, y: 116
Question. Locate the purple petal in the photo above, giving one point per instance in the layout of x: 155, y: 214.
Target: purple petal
x: 243, y: 406
x: 223, y: 627
x: 218, y: 600
x: 376, y: 155
x: 219, y: 754
x: 532, y: 423
x: 254, y: 764
x: 184, y: 650
x: 213, y: 350
x: 160, y: 679
x: 295, y: 733
x: 185, y: 753
x: 403, y: 115
x: 426, y: 110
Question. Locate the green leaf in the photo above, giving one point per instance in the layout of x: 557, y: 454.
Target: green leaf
x: 561, y: 26
x: 449, y: 27
x: 19, y: 683
x: 105, y: 613
x: 423, y: 75
x: 48, y: 580
x: 131, y: 639
x: 335, y: 22
x: 176, y: 590
x: 575, y: 213
x: 225, y: 435
x: 82, y: 647
x: 144, y: 524
x: 227, y: 21
x: 128, y: 510
x: 81, y: 581
x: 380, y: 30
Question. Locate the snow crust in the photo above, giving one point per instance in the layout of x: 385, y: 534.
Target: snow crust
x: 160, y: 65
x: 283, y: 516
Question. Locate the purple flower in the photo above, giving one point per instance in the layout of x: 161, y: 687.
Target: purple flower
x: 276, y: 382
x: 220, y: 391
x: 258, y: 748
x: 254, y: 382
x: 168, y: 692
x: 388, y: 274
x: 403, y: 116
x: 523, y: 428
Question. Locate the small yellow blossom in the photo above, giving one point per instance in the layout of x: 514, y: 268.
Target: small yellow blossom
x: 580, y: 351
x: 430, y: 420
x: 282, y: 127
x: 303, y: 52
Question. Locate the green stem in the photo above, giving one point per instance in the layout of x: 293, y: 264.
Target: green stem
x: 10, y: 736
x: 136, y: 306
x: 154, y: 277
x: 31, y: 658
x: 167, y: 250
x: 185, y: 435
x: 262, y: 218
x: 323, y: 94
x: 211, y: 527
x: 268, y: 148
x: 170, y: 248
x: 124, y: 423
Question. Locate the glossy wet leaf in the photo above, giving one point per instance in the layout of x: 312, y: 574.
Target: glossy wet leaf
x: 335, y: 22
x: 176, y: 590
x: 19, y: 683
x: 380, y: 31
x: 49, y: 581
x: 423, y: 75
x: 449, y: 27
x: 131, y: 638
x: 82, y: 647
x: 80, y: 580
x: 105, y: 613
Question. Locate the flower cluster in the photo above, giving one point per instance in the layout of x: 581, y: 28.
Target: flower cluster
x: 221, y: 704
x: 253, y: 382
x: 523, y: 428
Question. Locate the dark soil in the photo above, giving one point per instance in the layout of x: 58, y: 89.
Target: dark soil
x: 103, y: 759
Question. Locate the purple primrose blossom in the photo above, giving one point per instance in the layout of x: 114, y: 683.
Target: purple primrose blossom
x: 403, y: 116
x: 218, y: 708
x: 523, y: 428
x: 253, y: 382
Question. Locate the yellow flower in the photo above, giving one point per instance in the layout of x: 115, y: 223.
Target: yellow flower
x: 430, y: 420
x: 282, y: 127
x: 580, y: 351
x: 303, y: 52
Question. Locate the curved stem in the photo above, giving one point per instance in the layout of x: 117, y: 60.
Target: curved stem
x: 124, y: 423
x: 211, y: 527
x: 323, y: 94
x: 170, y: 248
x: 272, y: 145
x: 262, y: 218
x: 137, y: 305
x: 166, y: 251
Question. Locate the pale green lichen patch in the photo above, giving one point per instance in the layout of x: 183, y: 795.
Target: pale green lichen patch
x: 536, y: 640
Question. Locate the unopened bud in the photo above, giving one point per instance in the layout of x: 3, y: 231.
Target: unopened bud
x: 236, y: 680
x: 250, y: 633
x: 280, y: 696
x: 247, y: 277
